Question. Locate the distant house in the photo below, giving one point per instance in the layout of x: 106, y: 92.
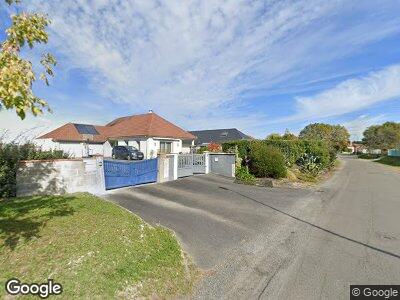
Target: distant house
x: 359, y: 148
x: 363, y: 149
x: 149, y: 133
x: 219, y: 136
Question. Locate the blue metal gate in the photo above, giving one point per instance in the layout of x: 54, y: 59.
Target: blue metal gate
x: 126, y: 173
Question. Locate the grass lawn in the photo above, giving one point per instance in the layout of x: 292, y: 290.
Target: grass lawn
x: 93, y: 248
x: 390, y: 160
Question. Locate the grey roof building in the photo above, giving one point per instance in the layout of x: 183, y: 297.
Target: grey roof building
x: 218, y: 136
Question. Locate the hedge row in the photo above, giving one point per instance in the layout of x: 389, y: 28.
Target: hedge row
x: 292, y: 150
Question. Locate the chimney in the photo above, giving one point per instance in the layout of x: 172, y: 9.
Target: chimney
x: 150, y: 111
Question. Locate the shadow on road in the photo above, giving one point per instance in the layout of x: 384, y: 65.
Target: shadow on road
x: 315, y: 226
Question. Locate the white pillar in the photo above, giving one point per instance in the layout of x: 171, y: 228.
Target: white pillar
x: 207, y: 162
x: 175, y: 166
x: 100, y: 170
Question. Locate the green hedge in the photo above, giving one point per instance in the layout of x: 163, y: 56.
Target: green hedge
x: 10, y: 156
x: 266, y: 161
x: 368, y: 156
x: 292, y: 150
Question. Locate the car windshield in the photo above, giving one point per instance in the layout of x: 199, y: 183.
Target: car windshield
x: 132, y: 149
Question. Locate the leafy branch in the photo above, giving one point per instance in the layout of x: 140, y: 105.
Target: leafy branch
x: 16, y: 73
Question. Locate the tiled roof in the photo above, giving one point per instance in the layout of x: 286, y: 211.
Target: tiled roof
x: 145, y: 125
x: 219, y: 136
x: 69, y: 132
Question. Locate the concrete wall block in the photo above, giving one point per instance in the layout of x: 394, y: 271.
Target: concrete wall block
x: 54, y: 177
x: 222, y: 164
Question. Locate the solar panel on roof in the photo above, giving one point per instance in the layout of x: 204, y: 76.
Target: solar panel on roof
x: 86, y: 129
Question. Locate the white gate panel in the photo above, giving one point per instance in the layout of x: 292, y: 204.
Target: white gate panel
x: 185, y: 165
x: 199, y: 163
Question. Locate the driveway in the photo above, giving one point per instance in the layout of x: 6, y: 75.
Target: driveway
x: 263, y: 243
x: 208, y: 212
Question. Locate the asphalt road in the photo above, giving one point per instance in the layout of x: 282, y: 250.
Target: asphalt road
x: 357, y: 240
x: 263, y: 243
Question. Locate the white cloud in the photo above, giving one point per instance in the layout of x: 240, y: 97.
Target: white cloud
x: 352, y: 95
x: 199, y: 53
x: 12, y: 128
x: 357, y: 126
x: 193, y: 61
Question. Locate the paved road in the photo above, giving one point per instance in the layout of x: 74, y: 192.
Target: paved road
x: 357, y: 241
x: 260, y: 243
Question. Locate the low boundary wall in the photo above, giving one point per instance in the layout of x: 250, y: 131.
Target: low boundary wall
x: 45, y: 177
x: 222, y: 164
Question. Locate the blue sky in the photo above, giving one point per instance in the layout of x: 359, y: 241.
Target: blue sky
x: 259, y: 66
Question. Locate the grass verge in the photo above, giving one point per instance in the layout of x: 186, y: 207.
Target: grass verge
x: 298, y: 178
x: 294, y: 178
x: 390, y: 160
x: 94, y: 248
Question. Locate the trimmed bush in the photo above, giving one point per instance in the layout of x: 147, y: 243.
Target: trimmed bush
x: 369, y: 156
x: 292, y: 150
x: 266, y: 161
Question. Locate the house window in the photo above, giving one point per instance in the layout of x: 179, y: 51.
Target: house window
x: 165, y: 147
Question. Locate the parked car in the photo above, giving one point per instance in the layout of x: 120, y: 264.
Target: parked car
x: 126, y: 152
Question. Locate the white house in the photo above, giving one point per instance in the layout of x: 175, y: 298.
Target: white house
x: 149, y: 133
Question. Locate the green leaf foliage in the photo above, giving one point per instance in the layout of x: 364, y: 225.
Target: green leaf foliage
x: 243, y: 174
x: 16, y: 73
x: 385, y: 136
x: 27, y: 28
x: 336, y: 135
x: 266, y: 161
x: 292, y: 150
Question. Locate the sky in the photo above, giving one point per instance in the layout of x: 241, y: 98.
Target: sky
x: 259, y: 66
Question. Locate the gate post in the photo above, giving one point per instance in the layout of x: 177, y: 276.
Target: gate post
x: 175, y: 166
x: 206, y: 162
x: 100, y: 171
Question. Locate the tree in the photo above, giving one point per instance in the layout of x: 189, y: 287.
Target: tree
x: 289, y: 136
x: 274, y: 137
x: 16, y: 73
x: 335, y: 135
x: 277, y: 137
x: 385, y: 136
